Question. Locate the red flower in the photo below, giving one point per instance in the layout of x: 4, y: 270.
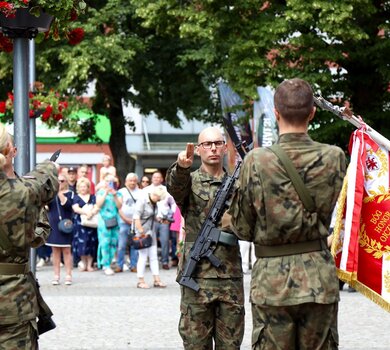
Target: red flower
x: 73, y: 15
x: 2, y: 107
x: 6, y: 44
x: 36, y: 104
x: 31, y: 113
x: 7, y: 8
x: 76, y: 36
x: 57, y: 116
x: 62, y: 105
x: 47, y: 113
x: 10, y: 96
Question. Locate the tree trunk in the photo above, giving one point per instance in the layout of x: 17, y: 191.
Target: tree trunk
x: 122, y: 160
x: 110, y: 103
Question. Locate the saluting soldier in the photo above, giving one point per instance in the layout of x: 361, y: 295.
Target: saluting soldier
x: 216, y: 312
x: 294, y: 287
x: 21, y: 201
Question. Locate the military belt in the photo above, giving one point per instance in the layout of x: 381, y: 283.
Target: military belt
x: 224, y: 238
x: 14, y: 269
x: 268, y: 251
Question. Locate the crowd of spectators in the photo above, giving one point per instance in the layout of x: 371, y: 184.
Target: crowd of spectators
x: 102, y: 217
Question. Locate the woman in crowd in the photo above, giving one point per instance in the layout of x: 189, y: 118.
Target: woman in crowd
x: 109, y: 201
x: 60, y: 242
x: 145, y: 181
x: 144, y: 219
x: 85, y: 238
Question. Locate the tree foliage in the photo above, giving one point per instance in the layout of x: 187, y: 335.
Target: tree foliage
x: 340, y: 47
x: 127, y: 63
x: 166, y: 56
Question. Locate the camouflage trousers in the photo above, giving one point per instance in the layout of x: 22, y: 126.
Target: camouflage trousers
x: 307, y: 326
x: 216, y: 313
x: 22, y: 336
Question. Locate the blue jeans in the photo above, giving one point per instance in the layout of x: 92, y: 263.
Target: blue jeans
x: 163, y: 231
x: 124, y: 230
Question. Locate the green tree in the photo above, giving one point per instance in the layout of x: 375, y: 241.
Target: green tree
x: 127, y: 63
x: 340, y: 47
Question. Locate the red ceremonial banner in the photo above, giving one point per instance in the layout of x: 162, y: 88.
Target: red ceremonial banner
x: 361, y: 243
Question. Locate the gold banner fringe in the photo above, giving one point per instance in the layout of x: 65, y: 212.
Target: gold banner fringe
x: 339, y: 215
x: 351, y: 279
x: 345, y: 276
x: 370, y: 294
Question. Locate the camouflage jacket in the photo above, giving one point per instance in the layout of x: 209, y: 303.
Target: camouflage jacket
x: 266, y: 210
x: 194, y: 193
x: 21, y: 202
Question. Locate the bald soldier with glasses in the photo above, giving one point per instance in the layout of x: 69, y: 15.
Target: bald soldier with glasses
x: 216, y: 312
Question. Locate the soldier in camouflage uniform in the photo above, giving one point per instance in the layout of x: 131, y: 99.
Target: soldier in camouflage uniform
x: 21, y: 201
x: 216, y: 312
x: 294, y: 295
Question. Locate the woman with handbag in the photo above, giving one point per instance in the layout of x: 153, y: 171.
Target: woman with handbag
x: 85, y: 219
x: 144, y: 220
x: 109, y: 201
x: 61, y: 233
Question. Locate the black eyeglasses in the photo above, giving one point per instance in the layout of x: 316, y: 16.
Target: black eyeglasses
x: 209, y: 144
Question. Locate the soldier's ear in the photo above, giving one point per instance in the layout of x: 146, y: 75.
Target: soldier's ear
x: 197, y: 151
x: 6, y: 150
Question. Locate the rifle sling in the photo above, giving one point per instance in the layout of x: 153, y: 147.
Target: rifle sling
x: 263, y: 251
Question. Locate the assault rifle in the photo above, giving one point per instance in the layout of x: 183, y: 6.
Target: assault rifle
x: 209, y: 235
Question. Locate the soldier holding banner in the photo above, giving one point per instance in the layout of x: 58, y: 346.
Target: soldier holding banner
x: 294, y: 290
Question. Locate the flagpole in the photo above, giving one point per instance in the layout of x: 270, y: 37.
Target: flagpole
x: 345, y: 114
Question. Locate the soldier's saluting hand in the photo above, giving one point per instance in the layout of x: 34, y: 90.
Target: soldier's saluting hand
x: 186, y: 158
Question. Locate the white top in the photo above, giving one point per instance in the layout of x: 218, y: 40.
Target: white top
x: 128, y: 203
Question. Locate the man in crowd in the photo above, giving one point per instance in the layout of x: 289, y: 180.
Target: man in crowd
x: 130, y: 193
x: 72, y: 178
x: 166, y: 209
x: 216, y: 311
x: 294, y: 289
x: 83, y: 172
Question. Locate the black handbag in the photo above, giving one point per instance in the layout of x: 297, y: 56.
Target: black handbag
x: 64, y: 225
x: 141, y: 242
x: 111, y: 223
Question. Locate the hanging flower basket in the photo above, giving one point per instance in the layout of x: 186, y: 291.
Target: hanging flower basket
x: 55, y: 18
x: 24, y: 20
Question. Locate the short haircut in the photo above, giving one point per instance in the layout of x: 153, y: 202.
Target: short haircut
x: 294, y: 100
x: 159, y: 191
x: 132, y: 176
